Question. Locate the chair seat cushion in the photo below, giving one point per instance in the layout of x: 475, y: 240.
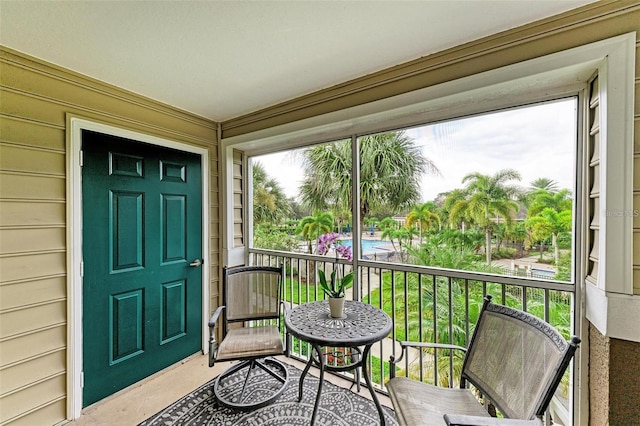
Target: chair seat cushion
x: 417, y: 403
x: 253, y: 342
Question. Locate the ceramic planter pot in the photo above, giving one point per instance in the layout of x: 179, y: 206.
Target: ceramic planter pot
x: 336, y: 306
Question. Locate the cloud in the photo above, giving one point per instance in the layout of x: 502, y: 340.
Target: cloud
x: 538, y: 141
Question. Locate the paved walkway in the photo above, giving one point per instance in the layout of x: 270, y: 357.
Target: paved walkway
x: 524, y: 263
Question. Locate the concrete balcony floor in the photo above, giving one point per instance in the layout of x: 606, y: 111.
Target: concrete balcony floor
x: 136, y: 403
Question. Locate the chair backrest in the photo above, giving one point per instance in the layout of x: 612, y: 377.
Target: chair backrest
x: 251, y: 293
x: 516, y: 360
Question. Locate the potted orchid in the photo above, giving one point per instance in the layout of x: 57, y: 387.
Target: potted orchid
x: 334, y: 287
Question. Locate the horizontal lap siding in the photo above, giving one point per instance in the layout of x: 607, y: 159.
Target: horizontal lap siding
x: 35, y: 101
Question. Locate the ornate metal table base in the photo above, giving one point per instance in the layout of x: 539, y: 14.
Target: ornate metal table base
x: 362, y: 326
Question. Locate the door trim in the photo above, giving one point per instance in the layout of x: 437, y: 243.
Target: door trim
x: 74, y: 243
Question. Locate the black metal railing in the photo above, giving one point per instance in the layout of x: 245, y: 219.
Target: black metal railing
x: 426, y: 304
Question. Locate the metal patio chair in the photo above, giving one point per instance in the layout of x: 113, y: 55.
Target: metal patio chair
x: 515, y: 360
x: 250, y: 321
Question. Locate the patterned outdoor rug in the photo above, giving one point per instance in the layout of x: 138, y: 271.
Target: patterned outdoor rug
x: 338, y: 406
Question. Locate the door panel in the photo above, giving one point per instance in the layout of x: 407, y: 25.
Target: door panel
x: 126, y: 218
x: 142, y: 227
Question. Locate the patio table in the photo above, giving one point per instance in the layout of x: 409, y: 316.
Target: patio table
x: 361, y: 326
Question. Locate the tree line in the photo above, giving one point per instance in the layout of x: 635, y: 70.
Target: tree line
x: 487, y: 211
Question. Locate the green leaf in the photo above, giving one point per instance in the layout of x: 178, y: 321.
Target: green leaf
x: 347, y: 279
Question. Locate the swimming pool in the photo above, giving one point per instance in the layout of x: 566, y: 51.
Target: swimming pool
x: 369, y: 246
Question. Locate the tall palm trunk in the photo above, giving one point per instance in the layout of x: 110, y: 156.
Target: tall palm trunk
x: 487, y: 245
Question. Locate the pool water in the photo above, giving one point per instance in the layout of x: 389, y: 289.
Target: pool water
x: 369, y: 246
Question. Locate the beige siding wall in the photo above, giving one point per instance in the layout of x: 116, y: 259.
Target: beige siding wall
x: 35, y: 100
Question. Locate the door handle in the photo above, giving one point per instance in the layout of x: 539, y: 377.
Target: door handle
x: 196, y: 263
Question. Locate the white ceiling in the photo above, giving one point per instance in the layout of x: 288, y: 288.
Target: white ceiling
x: 222, y: 59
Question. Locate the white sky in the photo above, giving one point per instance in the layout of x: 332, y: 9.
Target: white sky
x: 537, y: 141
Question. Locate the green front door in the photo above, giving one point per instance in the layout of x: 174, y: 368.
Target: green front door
x: 142, y: 247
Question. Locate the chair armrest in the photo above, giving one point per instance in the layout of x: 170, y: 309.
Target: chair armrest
x: 214, y: 318
x: 462, y: 420
x: 286, y: 311
x: 407, y: 344
x: 213, y: 345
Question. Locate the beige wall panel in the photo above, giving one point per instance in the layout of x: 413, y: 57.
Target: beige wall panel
x: 213, y: 172
x: 15, y: 213
x: 32, y: 108
x: 18, y: 158
x: 213, y: 186
x: 214, y: 234
x: 32, y: 318
x: 71, y: 91
x: 25, y: 267
x: 636, y: 246
x: 637, y: 53
x: 215, y: 213
x: 636, y: 133
x: 22, y: 374
x: 32, y: 187
x: 636, y: 218
x: 33, y: 134
x: 44, y: 415
x: 637, y: 94
x: 18, y: 403
x: 17, y: 294
x: 30, y: 240
x: 636, y: 279
x: 29, y: 345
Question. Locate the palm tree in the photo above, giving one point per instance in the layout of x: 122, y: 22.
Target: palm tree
x: 311, y: 227
x: 558, y: 201
x: 545, y: 184
x: 488, y: 197
x: 540, y: 185
x: 424, y: 216
x: 450, y: 200
x: 341, y: 216
x: 391, y: 166
x: 551, y: 223
x: 270, y: 205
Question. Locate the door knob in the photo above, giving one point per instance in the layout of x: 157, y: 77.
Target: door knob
x: 196, y: 263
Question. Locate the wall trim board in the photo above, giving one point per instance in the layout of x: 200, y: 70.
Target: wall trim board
x: 56, y: 72
x: 436, y: 68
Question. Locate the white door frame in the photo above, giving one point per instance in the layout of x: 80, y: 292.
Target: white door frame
x: 74, y: 243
